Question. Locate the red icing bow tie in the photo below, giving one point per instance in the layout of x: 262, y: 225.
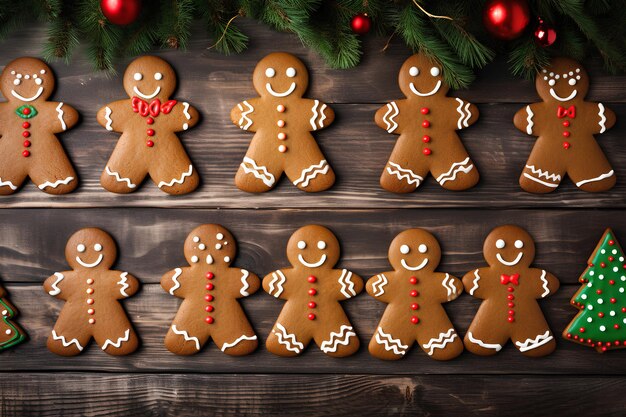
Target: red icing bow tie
x: 153, y: 108
x: 505, y: 279
x: 561, y: 112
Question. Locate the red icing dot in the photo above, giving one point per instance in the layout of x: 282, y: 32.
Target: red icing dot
x: 150, y: 120
x: 510, y: 319
x: 611, y: 242
x: 426, y: 151
x: 612, y: 282
x: 426, y: 139
x: 25, y: 154
x: 566, y: 134
x: 602, y: 265
x: 616, y: 326
x: 600, y: 314
x: 603, y: 349
x: 566, y: 145
x: 566, y: 123
x: 426, y: 124
x: 26, y: 111
x: 611, y: 258
x: 312, y: 291
x: 582, y: 330
x: 510, y: 297
x: 280, y: 108
x: 425, y: 110
x: 149, y: 144
x: 511, y: 304
x: 208, y: 297
x: 569, y: 335
x: 26, y: 133
x: 414, y: 306
x: 150, y: 132
x: 311, y: 316
x: 90, y: 301
x: 413, y: 293
x: 599, y: 292
x: 208, y: 309
x: 91, y: 321
x: 613, y: 300
x: 312, y: 304
x: 311, y: 279
x: 210, y: 275
x: 209, y: 320
x: 623, y: 309
x: 209, y: 286
x: 415, y: 320
x: 25, y: 125
x: 26, y: 143
x: 510, y: 289
x: 413, y: 280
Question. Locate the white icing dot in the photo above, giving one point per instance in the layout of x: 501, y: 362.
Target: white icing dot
x: 202, y: 246
x: 81, y: 248
x: 589, y: 285
x: 601, y: 276
x: 557, y: 76
x: 218, y: 246
x: 422, y: 248
x: 194, y: 259
x: 600, y: 301
x: 545, y: 78
x: 301, y: 244
x: 614, y: 251
x: 42, y: 71
x: 434, y: 71
x: 564, y: 75
x: 589, y: 307
x: 612, y: 313
x: 8, y: 331
x: 270, y: 72
x: 624, y: 321
x: 577, y: 69
x: 12, y: 72
x: 414, y: 71
x: 158, y: 76
x: 16, y: 81
x: 621, y: 259
x: 571, y: 73
x: 321, y: 244
x: 591, y: 273
x: 583, y: 296
x: 34, y: 75
x: 291, y: 72
x: 621, y: 289
x: 226, y: 259
x: 519, y: 244
x: 219, y: 236
x: 500, y: 244
x: 602, y: 328
x: 589, y: 319
x: 26, y: 77
x: 196, y: 239
x: 4, y: 312
x: 544, y: 71
x: 615, y: 269
x: 572, y: 81
x: 138, y: 76
x: 404, y: 249
x: 603, y: 251
x: 578, y: 77
x: 18, y: 76
x: 97, y: 247
x: 551, y: 83
x: 551, y: 74
x: 623, y: 278
x: 38, y: 81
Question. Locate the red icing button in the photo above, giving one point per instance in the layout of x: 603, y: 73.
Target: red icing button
x: 312, y: 291
x: 611, y: 242
x: 425, y: 110
x: 426, y: 124
x: 598, y: 292
x: 426, y: 151
x: 623, y: 309
x: 280, y: 123
x: 616, y: 326
x: 566, y: 134
x: 600, y: 314
x: 311, y: 279
x: 26, y: 143
x: 208, y: 297
x: 91, y: 321
x: 426, y: 139
x: 613, y: 301
x: 311, y: 316
x: 582, y: 330
x: 510, y: 319
x: 510, y: 289
x: 415, y: 320
x: 149, y: 120
x: 611, y: 258
x: 511, y: 304
x: 510, y: 297
x: 25, y: 154
x: 90, y: 301
x: 282, y: 136
x: 511, y: 312
x: 209, y: 275
x: 413, y: 293
x: 26, y: 133
x: 566, y: 123
x: 602, y: 265
x: 415, y: 306
x: 26, y: 111
x: 209, y: 286
x: 90, y: 311
x: 150, y: 132
x: 209, y: 320
x: 25, y: 125
x: 312, y: 304
x: 149, y: 144
x: 413, y: 280
x: 208, y: 309
x: 566, y: 145
x: 90, y: 291
x: 612, y: 282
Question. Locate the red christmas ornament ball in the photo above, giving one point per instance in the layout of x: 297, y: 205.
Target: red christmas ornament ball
x: 121, y: 12
x: 545, y: 35
x: 361, y: 24
x: 506, y: 19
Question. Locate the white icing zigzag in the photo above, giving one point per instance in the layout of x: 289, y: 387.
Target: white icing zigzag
x: 448, y: 284
x: 119, y: 178
x: 389, y: 343
x: 187, y: 115
x: 480, y: 343
x: 259, y: 172
x: 244, y: 285
x: 56, y: 290
x: 455, y: 169
x: 441, y: 341
x: 119, y: 342
x: 66, y: 343
x: 279, y: 280
x: 545, y: 174
x: 380, y: 282
x: 176, y: 286
x: 238, y: 340
x: 337, y: 338
x: 107, y: 116
x: 321, y: 115
x: 602, y: 117
x: 545, y: 283
x: 284, y: 339
x: 177, y: 181
x: 404, y: 174
x: 345, y: 279
x: 311, y: 172
x: 7, y: 183
x: 389, y: 121
x: 56, y: 183
x: 463, y: 117
x: 60, y: 116
x: 123, y: 282
x: 188, y: 338
x: 529, y: 120
x: 540, y: 340
x: 475, y: 282
x: 244, y: 115
x: 598, y: 178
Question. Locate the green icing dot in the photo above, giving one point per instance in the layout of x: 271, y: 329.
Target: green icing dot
x: 32, y: 112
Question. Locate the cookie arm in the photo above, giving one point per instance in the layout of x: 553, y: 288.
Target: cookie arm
x: 449, y: 288
x: 187, y: 114
x: 247, y: 283
x: 66, y: 117
x: 472, y: 283
x: 463, y: 113
x: 113, y: 115
x: 348, y: 284
x: 125, y: 284
x: 56, y: 285
x: 525, y: 119
x: 379, y: 286
x: 172, y: 282
x: 605, y: 117
x: 320, y: 115
x: 276, y: 284
x: 387, y: 118
x: 242, y: 115
x: 546, y: 285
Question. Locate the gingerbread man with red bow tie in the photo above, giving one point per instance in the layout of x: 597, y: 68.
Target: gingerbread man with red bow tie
x: 565, y: 124
x: 148, y: 122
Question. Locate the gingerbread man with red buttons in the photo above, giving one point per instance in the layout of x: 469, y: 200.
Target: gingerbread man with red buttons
x: 91, y: 291
x: 28, y: 123
x: 564, y: 124
x: 509, y: 288
x: 312, y: 289
x: 149, y: 121
x: 426, y: 122
x: 282, y: 121
x: 210, y: 287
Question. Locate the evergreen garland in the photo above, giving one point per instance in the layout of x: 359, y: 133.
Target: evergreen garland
x: 460, y: 43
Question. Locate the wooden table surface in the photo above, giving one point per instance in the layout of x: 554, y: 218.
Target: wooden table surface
x: 150, y: 228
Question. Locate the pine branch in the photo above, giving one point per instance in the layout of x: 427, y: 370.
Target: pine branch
x: 527, y: 58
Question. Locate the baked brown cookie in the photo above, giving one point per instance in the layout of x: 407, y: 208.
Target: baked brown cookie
x: 282, y: 121
x: 28, y: 123
x: 210, y: 287
x: 313, y: 289
x: 11, y: 333
x: 564, y: 124
x: 426, y: 122
x: 415, y: 292
x: 509, y: 288
x: 149, y: 121
x: 91, y: 291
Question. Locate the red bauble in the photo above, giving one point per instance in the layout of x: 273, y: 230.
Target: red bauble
x: 506, y: 19
x: 121, y: 12
x: 545, y: 35
x: 361, y: 24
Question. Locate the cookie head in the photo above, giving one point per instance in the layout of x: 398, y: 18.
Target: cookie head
x: 313, y: 247
x: 27, y: 80
x: 421, y: 77
x: 414, y: 250
x: 509, y: 246
x: 150, y: 77
x: 280, y: 75
x: 210, y: 244
x: 91, y: 248
x: 564, y: 80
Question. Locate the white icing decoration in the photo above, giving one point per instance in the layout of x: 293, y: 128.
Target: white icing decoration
x: 147, y: 96
x: 389, y: 343
x: 219, y: 236
x: 42, y: 71
x: 8, y: 184
x: 97, y: 247
x: 435, y: 71
x: 226, y: 258
x: 187, y: 337
x: 244, y: 115
x: 270, y: 72
x: 480, y: 343
x: 290, y: 90
x: 107, y: 117
x: 27, y: 77
x: 545, y: 174
x: 529, y: 344
x: 194, y: 259
x: 572, y: 82
x: 35, y: 97
x: 414, y: 71
x: 186, y: 113
x: 209, y: 259
x: 341, y: 337
x: 12, y: 72
x: 180, y: 180
x: 196, y: 239
x: 287, y: 339
x: 454, y: 170
x: 529, y: 120
x: 119, y: 178
x: 321, y: 244
x: 81, y: 248
x: 347, y: 286
x: 545, y: 284
x: 598, y: 178
x: 244, y: 283
x: 66, y: 343
x: 475, y: 282
x: 202, y: 246
x: 556, y: 96
x: 602, y: 117
x: 237, y: 341
x: 422, y: 248
x: 414, y: 268
x: 259, y: 172
x: 158, y: 76
x: 404, y: 249
x: 312, y: 265
x: 321, y: 115
x: 404, y: 174
x: 291, y: 72
x: 138, y: 76
x: 123, y: 282
x: 279, y: 280
x: 464, y: 114
x: 389, y: 119
x: 301, y: 244
x: 16, y: 81
x: 551, y: 82
x: 430, y: 93
x: 177, y: 273
x: 380, y: 283
x: 510, y: 263
x: 500, y: 243
x: 519, y: 244
x: 91, y: 265
x: 56, y: 290
x: 311, y: 172
x: 448, y: 284
x: 56, y: 183
x: 440, y: 341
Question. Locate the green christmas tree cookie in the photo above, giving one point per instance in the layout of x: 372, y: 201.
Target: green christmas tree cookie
x: 10, y: 333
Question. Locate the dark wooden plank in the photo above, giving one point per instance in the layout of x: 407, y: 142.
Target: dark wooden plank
x: 77, y: 394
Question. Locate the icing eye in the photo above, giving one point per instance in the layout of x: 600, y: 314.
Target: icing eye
x: 38, y: 81
x: 413, y: 71
x: 422, y: 248
x: 81, y: 248
x: 301, y: 244
x: 219, y: 236
x: 551, y: 83
x: 434, y: 71
x: 16, y: 81
x: 194, y: 259
x: 291, y: 72
x: 97, y: 247
x: 158, y: 76
x: 572, y: 81
x: 138, y: 76
x: 270, y: 72
x: 321, y: 244
x: 500, y: 244
x: 404, y: 249
x: 519, y: 244
x: 226, y: 259
x: 202, y: 246
x: 196, y: 239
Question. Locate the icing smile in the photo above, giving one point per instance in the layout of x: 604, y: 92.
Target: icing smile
x: 312, y: 265
x: 37, y: 94
x: 147, y: 97
x: 270, y: 90
x: 433, y: 91
x: 556, y: 96
x: 513, y: 262
x: 91, y: 265
x: 414, y: 268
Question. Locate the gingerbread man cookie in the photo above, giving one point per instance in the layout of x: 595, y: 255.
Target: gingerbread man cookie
x: 91, y: 291
x: 28, y: 123
x: 564, y: 124
x: 313, y: 290
x: 148, y: 122
x: 426, y: 122
x: 10, y: 333
x: 415, y: 292
x: 509, y: 288
x: 210, y: 287
x: 282, y: 121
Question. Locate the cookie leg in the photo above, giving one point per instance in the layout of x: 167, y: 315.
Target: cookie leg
x: 533, y: 337
x: 596, y: 174
x: 185, y: 338
x: 68, y: 340
x: 258, y: 173
x: 53, y: 172
x: 308, y: 169
x: 117, y: 337
x: 287, y: 339
x: 437, y: 337
x: 125, y: 170
x: 392, y: 340
x: 401, y: 176
x: 455, y: 170
x: 484, y: 341
x: 171, y: 169
x: 541, y: 173
x: 11, y: 180
x: 340, y: 341
x: 238, y: 337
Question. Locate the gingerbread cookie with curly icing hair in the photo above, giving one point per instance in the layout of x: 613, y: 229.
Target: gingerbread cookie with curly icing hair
x: 313, y: 289
x: 509, y: 288
x: 92, y: 291
x: 426, y: 122
x: 282, y: 121
x: 210, y: 287
x: 564, y: 124
x: 415, y: 292
x: 11, y: 333
x: 149, y: 121
x: 28, y: 124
